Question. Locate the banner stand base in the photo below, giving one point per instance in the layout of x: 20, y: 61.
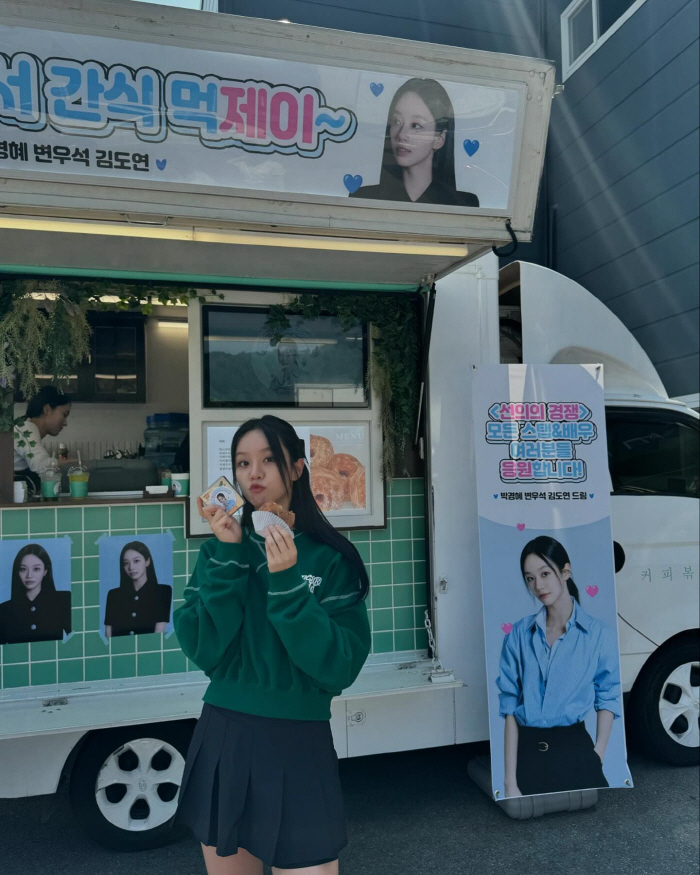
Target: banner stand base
x: 525, y: 807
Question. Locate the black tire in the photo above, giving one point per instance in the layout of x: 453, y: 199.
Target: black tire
x: 121, y: 823
x: 655, y: 689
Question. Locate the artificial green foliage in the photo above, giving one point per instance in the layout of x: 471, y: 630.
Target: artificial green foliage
x: 394, y: 360
x: 22, y: 345
x: 67, y: 339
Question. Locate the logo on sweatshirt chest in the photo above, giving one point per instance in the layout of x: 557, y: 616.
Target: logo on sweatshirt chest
x: 312, y: 581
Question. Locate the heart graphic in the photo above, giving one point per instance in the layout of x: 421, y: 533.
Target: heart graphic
x: 471, y: 147
x: 495, y: 495
x: 520, y: 527
x: 160, y: 163
x: 352, y: 183
x: 376, y: 88
x: 506, y: 627
x: 592, y: 591
x: 591, y: 494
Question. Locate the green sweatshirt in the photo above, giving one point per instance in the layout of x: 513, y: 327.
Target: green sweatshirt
x: 275, y: 645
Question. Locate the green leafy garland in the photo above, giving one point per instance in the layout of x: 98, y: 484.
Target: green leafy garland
x: 394, y: 361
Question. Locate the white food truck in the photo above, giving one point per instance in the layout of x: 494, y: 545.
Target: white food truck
x: 191, y: 191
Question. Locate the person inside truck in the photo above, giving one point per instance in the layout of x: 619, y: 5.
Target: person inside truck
x: 139, y: 604
x: 47, y: 414
x: 418, y: 162
x: 36, y: 610
x: 279, y: 625
x: 556, y: 665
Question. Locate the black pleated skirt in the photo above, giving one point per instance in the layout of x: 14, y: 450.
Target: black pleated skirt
x: 268, y: 785
x: 557, y: 760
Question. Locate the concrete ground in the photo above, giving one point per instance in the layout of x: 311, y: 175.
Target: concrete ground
x: 418, y: 813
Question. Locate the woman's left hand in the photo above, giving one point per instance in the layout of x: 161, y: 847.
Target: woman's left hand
x: 280, y: 548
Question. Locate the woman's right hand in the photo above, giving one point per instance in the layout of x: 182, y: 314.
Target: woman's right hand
x: 223, y: 526
x: 512, y: 790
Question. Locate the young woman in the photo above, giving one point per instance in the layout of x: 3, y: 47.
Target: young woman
x: 47, y: 414
x: 556, y: 665
x: 139, y: 604
x: 223, y: 499
x: 36, y: 611
x: 279, y: 625
x: 418, y: 164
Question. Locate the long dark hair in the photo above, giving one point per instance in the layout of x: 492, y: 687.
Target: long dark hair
x: 125, y: 582
x: 47, y: 585
x: 551, y: 552
x: 309, y: 518
x: 48, y: 395
x: 438, y: 102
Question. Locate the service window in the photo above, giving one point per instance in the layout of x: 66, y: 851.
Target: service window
x: 653, y: 453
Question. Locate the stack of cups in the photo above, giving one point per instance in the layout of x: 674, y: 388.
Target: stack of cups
x: 20, y: 492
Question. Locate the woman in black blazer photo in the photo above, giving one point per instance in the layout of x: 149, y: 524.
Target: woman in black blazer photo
x: 418, y: 161
x: 36, y: 611
x: 139, y: 604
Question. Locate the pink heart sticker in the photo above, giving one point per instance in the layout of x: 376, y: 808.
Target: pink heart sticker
x: 506, y: 627
x: 592, y: 591
x: 520, y: 527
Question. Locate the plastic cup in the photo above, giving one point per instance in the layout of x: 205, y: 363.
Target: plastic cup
x: 181, y: 484
x: 50, y: 488
x: 78, y: 482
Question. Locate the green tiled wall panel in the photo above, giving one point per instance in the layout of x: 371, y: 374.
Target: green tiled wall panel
x: 395, y: 559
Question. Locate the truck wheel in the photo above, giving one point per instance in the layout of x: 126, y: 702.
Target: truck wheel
x: 124, y: 785
x: 664, y: 710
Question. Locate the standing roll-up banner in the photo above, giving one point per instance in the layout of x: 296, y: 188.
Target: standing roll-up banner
x: 548, y: 580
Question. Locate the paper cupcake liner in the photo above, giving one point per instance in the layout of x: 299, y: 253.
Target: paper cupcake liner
x: 263, y: 518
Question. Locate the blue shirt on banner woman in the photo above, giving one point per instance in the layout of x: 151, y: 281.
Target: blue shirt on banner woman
x: 555, y: 667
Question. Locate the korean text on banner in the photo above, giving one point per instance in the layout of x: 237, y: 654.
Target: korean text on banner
x: 547, y: 572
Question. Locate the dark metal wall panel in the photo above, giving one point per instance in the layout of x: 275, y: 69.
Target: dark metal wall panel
x: 656, y: 145
x: 623, y: 164
x: 675, y: 293
x: 490, y: 25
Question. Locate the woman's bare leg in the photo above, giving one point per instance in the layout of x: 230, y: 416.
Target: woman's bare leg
x: 325, y: 869
x: 241, y: 863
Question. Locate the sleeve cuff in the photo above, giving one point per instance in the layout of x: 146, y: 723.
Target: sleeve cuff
x: 613, y: 707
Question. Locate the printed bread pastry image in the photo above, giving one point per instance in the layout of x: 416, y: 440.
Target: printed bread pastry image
x: 356, y: 488
x: 320, y: 452
x: 287, y: 516
x: 345, y: 466
x: 328, y: 488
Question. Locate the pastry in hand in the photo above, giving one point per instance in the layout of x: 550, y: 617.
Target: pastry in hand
x: 328, y: 488
x: 320, y: 452
x: 345, y: 466
x: 287, y: 516
x: 357, y: 489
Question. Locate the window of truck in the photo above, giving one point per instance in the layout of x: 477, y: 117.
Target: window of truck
x: 653, y: 452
